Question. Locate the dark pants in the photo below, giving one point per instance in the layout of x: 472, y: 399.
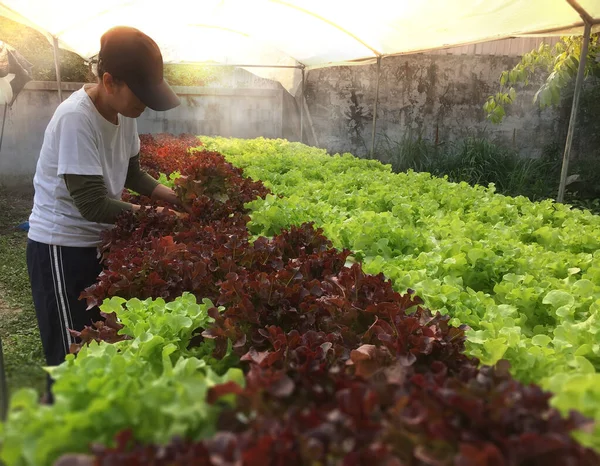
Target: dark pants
x: 58, y: 275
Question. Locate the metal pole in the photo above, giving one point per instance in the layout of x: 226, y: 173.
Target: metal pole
x: 302, y: 108
x: 375, y: 107
x: 310, y: 122
x: 226, y: 65
x: 574, y: 108
x: 587, y: 18
x: 57, y: 67
x: 235, y: 65
x: 3, y: 121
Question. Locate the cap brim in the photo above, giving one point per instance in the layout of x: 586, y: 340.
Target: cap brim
x: 159, y: 97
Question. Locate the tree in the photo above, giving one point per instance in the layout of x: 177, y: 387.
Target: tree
x: 559, y: 64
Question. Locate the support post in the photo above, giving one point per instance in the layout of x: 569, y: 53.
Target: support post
x: 574, y: 108
x: 375, y: 106
x: 302, y: 107
x: 310, y: 122
x: 3, y: 121
x: 57, y: 67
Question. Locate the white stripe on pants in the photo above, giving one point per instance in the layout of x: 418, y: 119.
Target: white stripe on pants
x: 61, y: 299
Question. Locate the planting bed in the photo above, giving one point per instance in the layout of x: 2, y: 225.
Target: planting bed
x: 259, y: 330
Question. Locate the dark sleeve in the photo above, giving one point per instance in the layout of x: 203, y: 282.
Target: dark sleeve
x: 138, y: 180
x: 91, y: 198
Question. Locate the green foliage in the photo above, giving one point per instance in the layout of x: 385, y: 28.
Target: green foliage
x: 525, y: 276
x: 194, y: 75
x: 169, y: 180
x: 150, y: 383
x: 476, y: 161
x: 36, y: 48
x: 558, y: 64
x: 416, y: 153
x: 39, y: 52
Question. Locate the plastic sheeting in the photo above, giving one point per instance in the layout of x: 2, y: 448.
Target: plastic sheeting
x: 310, y: 33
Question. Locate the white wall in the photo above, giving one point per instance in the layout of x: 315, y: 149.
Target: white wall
x: 235, y: 112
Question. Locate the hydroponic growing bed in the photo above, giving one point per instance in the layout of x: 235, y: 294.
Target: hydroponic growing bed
x: 323, y: 310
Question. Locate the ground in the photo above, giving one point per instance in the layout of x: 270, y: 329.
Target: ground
x: 21, y: 343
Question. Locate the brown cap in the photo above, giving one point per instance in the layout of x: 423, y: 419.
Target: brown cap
x: 131, y: 56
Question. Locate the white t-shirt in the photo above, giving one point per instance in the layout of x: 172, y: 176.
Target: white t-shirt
x: 78, y: 141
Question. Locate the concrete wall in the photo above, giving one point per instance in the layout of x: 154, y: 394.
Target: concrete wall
x: 242, y: 113
x: 236, y: 111
x: 439, y: 97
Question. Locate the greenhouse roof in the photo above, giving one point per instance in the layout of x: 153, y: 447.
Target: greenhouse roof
x: 299, y: 33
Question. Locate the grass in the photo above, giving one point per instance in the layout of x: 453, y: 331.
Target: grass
x: 476, y: 160
x: 23, y: 356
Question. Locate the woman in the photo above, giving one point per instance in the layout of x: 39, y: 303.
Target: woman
x: 89, y: 154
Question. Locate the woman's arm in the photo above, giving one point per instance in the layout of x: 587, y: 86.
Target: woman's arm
x: 141, y: 182
x: 90, y: 196
x: 138, y: 180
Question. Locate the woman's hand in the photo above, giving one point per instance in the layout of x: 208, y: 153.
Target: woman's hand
x: 164, y: 193
x: 177, y: 213
x: 181, y: 215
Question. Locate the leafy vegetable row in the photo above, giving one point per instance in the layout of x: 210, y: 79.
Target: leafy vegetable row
x: 524, y: 276
x: 338, y: 368
x: 149, y: 382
